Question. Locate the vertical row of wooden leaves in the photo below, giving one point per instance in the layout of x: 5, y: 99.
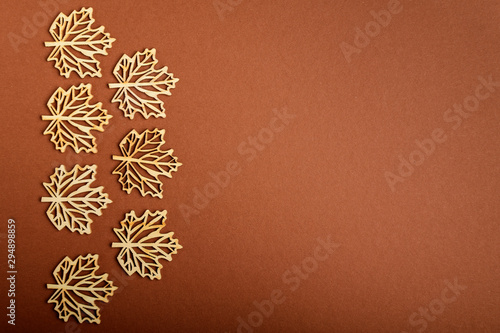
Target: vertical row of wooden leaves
x: 72, y: 198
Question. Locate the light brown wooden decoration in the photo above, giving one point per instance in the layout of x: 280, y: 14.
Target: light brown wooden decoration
x: 140, y: 84
x: 78, y: 288
x: 142, y: 244
x: 76, y: 44
x: 143, y: 161
x: 72, y: 199
x: 73, y: 117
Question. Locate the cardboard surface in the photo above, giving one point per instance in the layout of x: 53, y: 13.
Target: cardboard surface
x: 355, y: 105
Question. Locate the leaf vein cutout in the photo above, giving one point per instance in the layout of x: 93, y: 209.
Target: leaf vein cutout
x: 76, y: 44
x: 143, y: 161
x: 72, y: 118
x: 78, y: 288
x: 72, y: 199
x: 140, y: 84
x: 142, y: 244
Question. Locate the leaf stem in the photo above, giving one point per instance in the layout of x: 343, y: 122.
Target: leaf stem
x: 52, y: 199
x: 137, y: 160
x: 138, y: 84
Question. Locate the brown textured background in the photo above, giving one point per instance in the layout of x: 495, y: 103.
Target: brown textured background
x: 322, y: 175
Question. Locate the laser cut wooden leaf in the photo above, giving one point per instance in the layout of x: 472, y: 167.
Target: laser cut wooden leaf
x: 140, y: 84
x: 143, y: 161
x: 142, y: 244
x: 73, y: 117
x: 76, y: 44
x: 72, y: 199
x: 78, y: 288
